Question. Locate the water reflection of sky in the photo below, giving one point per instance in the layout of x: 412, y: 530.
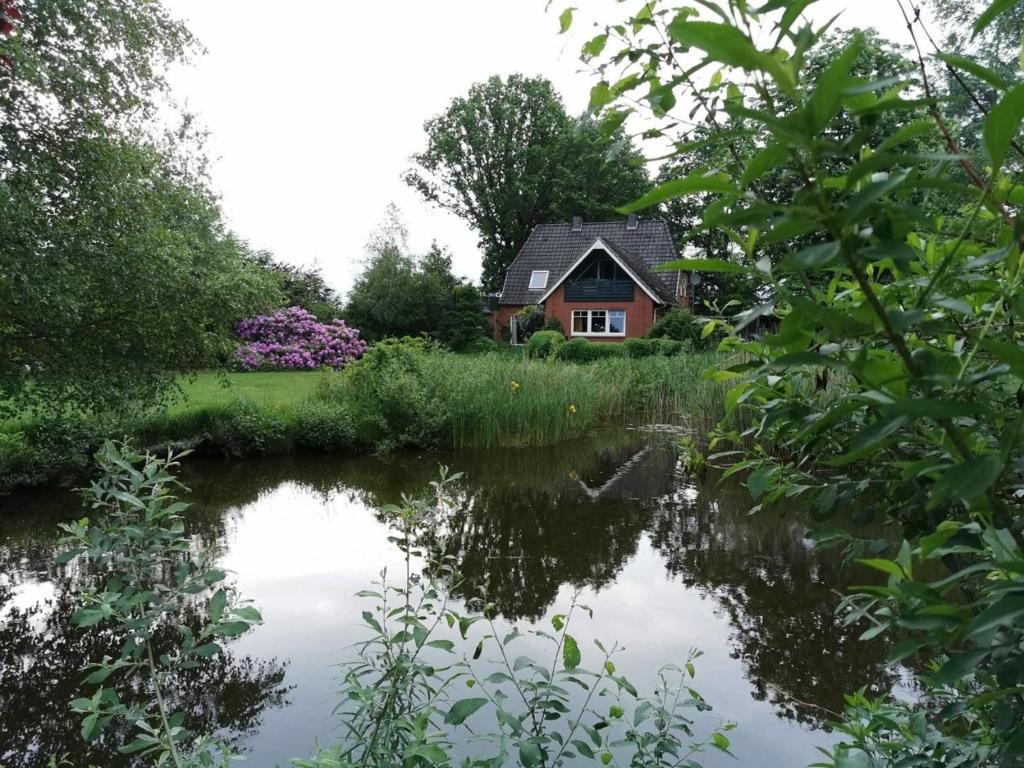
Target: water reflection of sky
x: 667, y: 564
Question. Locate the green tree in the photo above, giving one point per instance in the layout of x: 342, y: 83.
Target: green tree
x: 301, y: 286
x: 893, y: 388
x: 398, y: 294
x: 506, y: 157
x: 464, y: 320
x: 116, y: 271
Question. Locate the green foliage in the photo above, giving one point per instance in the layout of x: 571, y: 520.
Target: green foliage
x: 117, y: 270
x: 393, y: 394
x: 483, y: 345
x: 679, y: 324
x: 506, y: 157
x: 464, y: 323
x: 301, y: 287
x: 892, y: 388
x: 244, y: 429
x: 398, y: 294
x: 583, y: 351
x: 554, y: 324
x: 649, y: 347
x: 142, y: 568
x: 544, y: 344
x: 324, y: 425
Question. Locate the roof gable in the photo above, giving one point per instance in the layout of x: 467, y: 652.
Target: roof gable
x: 601, y: 245
x: 558, y: 248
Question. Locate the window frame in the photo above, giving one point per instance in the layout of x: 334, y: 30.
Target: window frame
x: 534, y: 273
x: 588, y: 313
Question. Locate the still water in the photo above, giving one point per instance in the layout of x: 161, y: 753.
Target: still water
x: 666, y: 562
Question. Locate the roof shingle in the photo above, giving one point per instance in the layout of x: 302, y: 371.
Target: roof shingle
x: 556, y: 247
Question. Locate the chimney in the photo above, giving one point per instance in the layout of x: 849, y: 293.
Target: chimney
x: 632, y: 222
x: 577, y: 223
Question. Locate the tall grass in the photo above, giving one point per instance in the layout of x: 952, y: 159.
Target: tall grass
x: 411, y: 394
x: 495, y: 401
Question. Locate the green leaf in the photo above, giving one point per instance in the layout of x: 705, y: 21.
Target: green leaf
x: 571, y: 656
x: 958, y: 666
x: 529, y: 754
x: 462, y: 709
x: 1002, y: 124
x: 967, y: 480
x: 862, y: 201
x: 872, y: 437
x: 1002, y: 612
x: 812, y: 257
x: 215, y: 608
x: 1008, y: 352
x: 720, y: 740
x: 765, y: 160
x: 430, y: 752
x: 231, y: 628
x: 709, y: 265
x: 205, y: 651
x: 824, y: 102
x: 974, y: 68
x: 886, y: 566
x: 595, y: 46
x: 696, y: 182
x: 727, y: 44
x: 565, y: 21
x: 989, y: 15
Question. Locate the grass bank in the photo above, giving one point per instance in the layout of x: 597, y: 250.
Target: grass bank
x: 402, y: 394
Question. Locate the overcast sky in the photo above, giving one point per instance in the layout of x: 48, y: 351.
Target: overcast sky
x: 315, y: 107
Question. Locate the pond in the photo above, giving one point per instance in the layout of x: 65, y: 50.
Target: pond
x: 665, y: 561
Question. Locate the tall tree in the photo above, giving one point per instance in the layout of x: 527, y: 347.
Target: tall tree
x: 398, y: 294
x: 116, y: 271
x: 506, y: 157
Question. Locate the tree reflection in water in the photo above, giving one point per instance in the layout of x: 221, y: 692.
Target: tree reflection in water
x: 43, y: 655
x: 529, y: 522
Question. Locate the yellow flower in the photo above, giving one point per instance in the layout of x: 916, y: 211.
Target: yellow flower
x: 572, y: 408
x: 515, y: 386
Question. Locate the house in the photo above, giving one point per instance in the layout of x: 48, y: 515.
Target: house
x: 600, y: 279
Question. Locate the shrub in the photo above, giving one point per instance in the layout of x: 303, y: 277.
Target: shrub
x: 324, y: 425
x: 464, y: 322
x: 482, y: 346
x: 394, y: 394
x: 554, y: 324
x: 544, y: 344
x: 583, y: 351
x: 244, y: 428
x: 678, y: 324
x: 669, y: 347
x: 640, y: 347
x: 293, y: 339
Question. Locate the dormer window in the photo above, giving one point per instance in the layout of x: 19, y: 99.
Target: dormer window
x: 538, y: 280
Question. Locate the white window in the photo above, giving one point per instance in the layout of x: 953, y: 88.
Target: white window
x: 599, y: 322
x: 538, y: 280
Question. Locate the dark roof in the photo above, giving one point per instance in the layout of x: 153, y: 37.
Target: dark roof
x: 556, y: 247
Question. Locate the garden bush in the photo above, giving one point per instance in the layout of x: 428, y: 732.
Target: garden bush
x: 394, y: 395
x: 678, y: 324
x: 668, y: 347
x: 482, y: 346
x: 554, y: 324
x: 293, y: 339
x: 544, y: 344
x: 324, y: 425
x: 639, y: 348
x: 244, y: 429
x: 583, y: 351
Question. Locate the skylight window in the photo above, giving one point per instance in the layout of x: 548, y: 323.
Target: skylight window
x: 538, y: 280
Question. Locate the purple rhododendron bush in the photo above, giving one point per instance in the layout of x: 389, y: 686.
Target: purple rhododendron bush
x: 293, y: 339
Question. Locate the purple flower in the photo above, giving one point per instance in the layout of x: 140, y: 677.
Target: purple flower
x: 293, y: 339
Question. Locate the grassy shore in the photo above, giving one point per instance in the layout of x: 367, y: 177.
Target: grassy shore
x: 400, y: 396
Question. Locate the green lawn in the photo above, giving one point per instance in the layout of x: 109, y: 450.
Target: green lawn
x: 213, y: 390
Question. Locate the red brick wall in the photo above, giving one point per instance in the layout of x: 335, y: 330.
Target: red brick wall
x: 639, y: 313
x: 501, y: 319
